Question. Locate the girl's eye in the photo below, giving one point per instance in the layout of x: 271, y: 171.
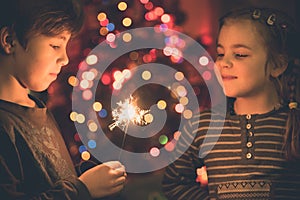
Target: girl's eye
x: 220, y: 55
x: 241, y: 55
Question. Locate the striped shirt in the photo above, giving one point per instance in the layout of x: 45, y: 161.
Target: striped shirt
x: 243, y: 158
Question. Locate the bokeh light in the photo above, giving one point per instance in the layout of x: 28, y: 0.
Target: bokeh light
x: 146, y: 75
x: 85, y: 155
x: 154, y: 151
x: 163, y: 139
x: 122, y: 6
x: 161, y: 104
x: 101, y: 16
x: 91, y: 59
x: 126, y: 22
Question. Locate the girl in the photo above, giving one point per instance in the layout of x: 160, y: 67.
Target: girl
x: 257, y: 154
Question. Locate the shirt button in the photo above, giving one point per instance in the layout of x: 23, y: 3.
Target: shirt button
x: 248, y: 155
x: 248, y: 126
x: 250, y: 133
x: 249, y: 144
x: 248, y: 116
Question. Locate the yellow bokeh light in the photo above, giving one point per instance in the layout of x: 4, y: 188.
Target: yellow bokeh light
x: 85, y: 155
x: 93, y: 127
x: 181, y: 91
x: 148, y: 118
x: 165, y: 18
x: 73, y: 81
x: 127, y: 37
x: 126, y: 73
x: 117, y: 85
x: 101, y: 16
x: 118, y: 76
x: 146, y: 75
x: 127, y: 22
x: 122, y: 6
x: 184, y: 100
x: 187, y: 114
x: 73, y: 116
x: 97, y: 106
x: 161, y: 104
x: 80, y: 118
x: 179, y: 76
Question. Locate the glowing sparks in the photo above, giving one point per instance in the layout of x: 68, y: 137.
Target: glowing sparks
x: 127, y: 112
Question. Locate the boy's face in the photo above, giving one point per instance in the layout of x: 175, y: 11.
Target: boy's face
x: 37, y: 66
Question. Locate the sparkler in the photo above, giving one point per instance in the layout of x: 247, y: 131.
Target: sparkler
x: 125, y: 113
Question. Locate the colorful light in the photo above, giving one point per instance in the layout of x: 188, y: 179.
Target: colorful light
x: 154, y: 151
x: 126, y: 22
x: 101, y: 16
x: 146, y: 75
x: 122, y: 6
x: 161, y: 104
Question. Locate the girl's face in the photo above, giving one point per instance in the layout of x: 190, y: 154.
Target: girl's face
x: 37, y: 66
x: 241, y: 60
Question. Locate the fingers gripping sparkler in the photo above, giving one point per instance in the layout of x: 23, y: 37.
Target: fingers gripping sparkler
x: 125, y: 113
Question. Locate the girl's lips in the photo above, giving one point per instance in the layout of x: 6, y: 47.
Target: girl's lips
x: 227, y: 77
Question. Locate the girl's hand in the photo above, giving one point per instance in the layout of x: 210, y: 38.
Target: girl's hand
x: 104, y: 179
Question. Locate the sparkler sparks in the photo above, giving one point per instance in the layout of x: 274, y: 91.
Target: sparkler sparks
x: 127, y: 112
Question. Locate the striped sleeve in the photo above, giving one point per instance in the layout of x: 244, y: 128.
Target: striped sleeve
x: 179, y: 181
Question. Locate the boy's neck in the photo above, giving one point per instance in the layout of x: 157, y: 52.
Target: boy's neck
x: 11, y: 90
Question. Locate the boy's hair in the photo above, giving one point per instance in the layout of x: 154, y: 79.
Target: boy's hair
x: 280, y: 36
x: 26, y: 18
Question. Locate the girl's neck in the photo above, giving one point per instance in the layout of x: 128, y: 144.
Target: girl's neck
x: 244, y: 106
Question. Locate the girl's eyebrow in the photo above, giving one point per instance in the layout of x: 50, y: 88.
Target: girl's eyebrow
x: 235, y: 46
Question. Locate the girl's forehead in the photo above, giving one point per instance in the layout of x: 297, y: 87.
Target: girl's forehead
x: 240, y: 32
x: 240, y: 27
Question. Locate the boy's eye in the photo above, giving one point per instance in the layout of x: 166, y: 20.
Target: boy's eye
x: 54, y: 46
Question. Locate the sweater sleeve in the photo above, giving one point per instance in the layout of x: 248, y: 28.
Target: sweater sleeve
x: 179, y: 180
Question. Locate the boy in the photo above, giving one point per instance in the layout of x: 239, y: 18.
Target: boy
x: 34, y: 161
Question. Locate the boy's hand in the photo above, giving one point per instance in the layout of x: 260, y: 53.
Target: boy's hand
x: 105, y: 179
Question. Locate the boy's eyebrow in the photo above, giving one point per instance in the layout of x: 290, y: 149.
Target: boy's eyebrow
x: 62, y: 37
x: 235, y: 46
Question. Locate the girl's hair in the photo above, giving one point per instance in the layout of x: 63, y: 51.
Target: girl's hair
x: 26, y: 18
x: 281, y: 38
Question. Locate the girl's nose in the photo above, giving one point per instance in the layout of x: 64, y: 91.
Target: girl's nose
x: 224, y: 62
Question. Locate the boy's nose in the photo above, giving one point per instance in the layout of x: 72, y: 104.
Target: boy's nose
x: 64, y: 60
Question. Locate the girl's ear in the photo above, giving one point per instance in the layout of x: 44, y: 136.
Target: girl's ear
x: 6, y: 40
x: 278, y: 69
